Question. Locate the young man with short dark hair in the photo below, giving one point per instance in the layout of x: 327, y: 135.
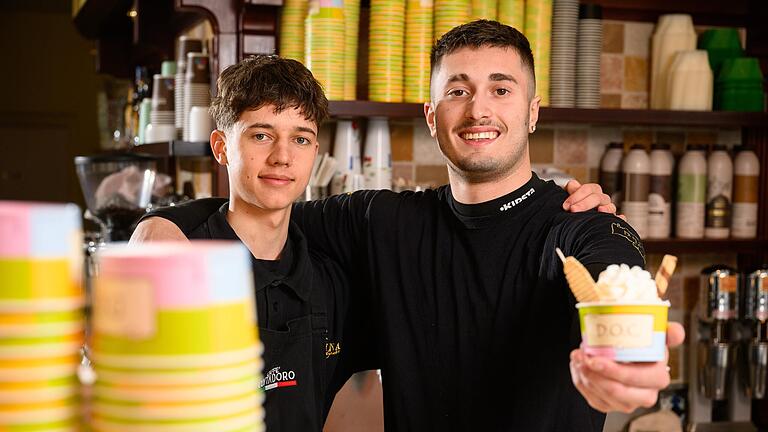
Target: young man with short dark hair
x: 401, y: 265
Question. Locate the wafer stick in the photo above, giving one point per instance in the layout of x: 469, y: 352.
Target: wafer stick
x: 664, y: 273
x: 581, y: 282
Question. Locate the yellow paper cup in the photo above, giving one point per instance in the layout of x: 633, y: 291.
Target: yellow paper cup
x: 176, y: 362
x: 250, y: 420
x: 180, y: 377
x: 624, y: 332
x: 189, y: 393
x: 191, y: 412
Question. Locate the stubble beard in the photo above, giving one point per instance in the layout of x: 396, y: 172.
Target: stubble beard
x: 485, y: 169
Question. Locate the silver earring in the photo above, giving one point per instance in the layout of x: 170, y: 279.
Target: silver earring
x: 533, y: 128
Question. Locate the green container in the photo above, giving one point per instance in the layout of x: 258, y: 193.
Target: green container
x: 743, y: 69
x: 721, y: 44
x: 739, y: 100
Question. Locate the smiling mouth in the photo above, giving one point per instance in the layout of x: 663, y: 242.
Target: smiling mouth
x: 477, y: 136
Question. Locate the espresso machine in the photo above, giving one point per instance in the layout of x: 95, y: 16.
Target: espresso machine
x: 721, y: 345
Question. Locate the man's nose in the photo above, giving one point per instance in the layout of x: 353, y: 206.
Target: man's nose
x: 280, y: 155
x: 478, y: 107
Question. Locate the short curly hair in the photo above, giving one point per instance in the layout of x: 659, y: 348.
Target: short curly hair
x: 263, y: 80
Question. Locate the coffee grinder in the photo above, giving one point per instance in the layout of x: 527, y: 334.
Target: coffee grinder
x: 714, y: 338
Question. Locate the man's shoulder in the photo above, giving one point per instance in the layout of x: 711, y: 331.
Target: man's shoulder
x: 190, y: 215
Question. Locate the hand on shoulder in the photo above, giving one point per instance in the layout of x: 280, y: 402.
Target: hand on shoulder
x: 157, y: 229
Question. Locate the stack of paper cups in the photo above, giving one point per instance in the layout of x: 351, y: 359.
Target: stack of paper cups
x: 538, y: 28
x: 588, y: 54
x: 386, y: 50
x: 186, y: 45
x: 351, y: 34
x: 565, y: 24
x: 512, y: 13
x: 41, y: 319
x: 346, y: 151
x: 377, y: 158
x: 174, y: 343
x: 418, y: 43
x: 197, y: 87
x: 483, y: 9
x: 292, y: 29
x: 449, y: 14
x: 324, y: 48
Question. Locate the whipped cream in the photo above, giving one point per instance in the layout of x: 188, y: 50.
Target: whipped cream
x: 619, y: 283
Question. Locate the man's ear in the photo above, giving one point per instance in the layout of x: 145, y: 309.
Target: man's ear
x: 533, y: 114
x: 429, y: 115
x: 219, y: 146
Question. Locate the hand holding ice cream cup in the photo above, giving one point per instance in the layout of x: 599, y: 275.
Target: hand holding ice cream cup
x: 623, y: 315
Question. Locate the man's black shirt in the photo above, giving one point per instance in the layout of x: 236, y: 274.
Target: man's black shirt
x: 473, y: 319
x: 305, y: 315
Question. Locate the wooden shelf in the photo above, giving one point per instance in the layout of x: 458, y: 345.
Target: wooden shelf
x: 350, y: 109
x: 677, y: 246
x: 175, y: 148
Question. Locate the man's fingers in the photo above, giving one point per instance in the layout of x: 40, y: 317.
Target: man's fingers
x: 622, y: 397
x: 572, y: 186
x: 582, y: 386
x: 608, y: 208
x: 587, y: 197
x: 623, y: 217
x: 675, y: 334
x: 645, y: 375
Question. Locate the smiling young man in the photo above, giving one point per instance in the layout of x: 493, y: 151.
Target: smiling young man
x: 267, y: 114
x: 460, y: 285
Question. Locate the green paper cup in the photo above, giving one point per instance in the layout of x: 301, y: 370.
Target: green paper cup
x: 624, y: 332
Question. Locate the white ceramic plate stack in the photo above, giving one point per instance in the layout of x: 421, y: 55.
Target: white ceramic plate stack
x: 197, y: 86
x: 565, y: 27
x: 588, y: 56
x: 186, y: 45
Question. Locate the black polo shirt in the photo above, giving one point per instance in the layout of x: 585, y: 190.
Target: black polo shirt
x: 473, y: 316
x: 303, y: 305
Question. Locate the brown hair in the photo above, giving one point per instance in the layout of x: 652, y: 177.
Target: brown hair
x: 483, y: 33
x: 263, y: 80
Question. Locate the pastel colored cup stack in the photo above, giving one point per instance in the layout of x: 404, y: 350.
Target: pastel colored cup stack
x: 449, y: 14
x: 624, y: 332
x: 351, y: 37
x: 512, y: 13
x: 538, y: 29
x: 174, y: 343
x: 41, y: 319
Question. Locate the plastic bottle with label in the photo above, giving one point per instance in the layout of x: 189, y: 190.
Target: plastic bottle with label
x: 610, y: 172
x: 691, y: 193
x: 719, y: 193
x: 637, y: 168
x: 746, y: 167
x: 660, y: 194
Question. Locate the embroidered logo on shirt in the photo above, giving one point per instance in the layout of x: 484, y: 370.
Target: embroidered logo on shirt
x: 621, y: 231
x: 517, y: 201
x: 332, y: 349
x: 276, y: 378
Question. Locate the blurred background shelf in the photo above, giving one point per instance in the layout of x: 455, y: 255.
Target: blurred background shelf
x: 175, y: 148
x: 359, y: 108
x: 680, y: 246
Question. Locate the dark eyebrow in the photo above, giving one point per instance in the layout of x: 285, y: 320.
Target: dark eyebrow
x: 269, y: 126
x: 458, y: 77
x: 502, y: 77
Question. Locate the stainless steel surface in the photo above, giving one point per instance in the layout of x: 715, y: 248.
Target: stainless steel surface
x: 720, y: 293
x: 756, y: 302
x: 715, y: 360
x: 758, y: 366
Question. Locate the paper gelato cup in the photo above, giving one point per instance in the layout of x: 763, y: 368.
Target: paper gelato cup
x: 624, y: 332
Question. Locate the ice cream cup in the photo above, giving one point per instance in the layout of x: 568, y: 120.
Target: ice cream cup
x: 250, y: 420
x: 41, y: 306
x: 180, y: 377
x: 207, y: 330
x: 39, y: 412
x: 176, y: 362
x: 156, y: 411
x: 39, y: 391
x: 189, y: 393
x: 40, y: 351
x: 44, y: 318
x: 69, y: 425
x: 34, y: 279
x: 624, y: 332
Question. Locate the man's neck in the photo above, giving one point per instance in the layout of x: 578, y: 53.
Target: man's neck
x: 473, y: 193
x: 264, y: 232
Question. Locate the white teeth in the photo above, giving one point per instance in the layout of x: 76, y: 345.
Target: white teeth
x: 480, y: 135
